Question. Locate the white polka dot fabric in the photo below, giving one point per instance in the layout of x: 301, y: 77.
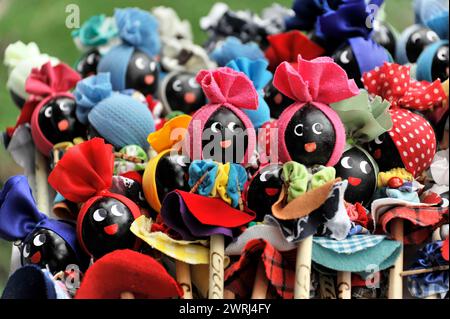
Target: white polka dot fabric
x: 414, y: 138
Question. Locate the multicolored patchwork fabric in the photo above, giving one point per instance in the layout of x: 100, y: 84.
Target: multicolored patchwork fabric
x: 279, y: 270
x: 351, y: 244
x: 421, y: 221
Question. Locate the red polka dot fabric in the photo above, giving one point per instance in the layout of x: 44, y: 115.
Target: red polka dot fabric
x: 414, y: 138
x: 393, y: 83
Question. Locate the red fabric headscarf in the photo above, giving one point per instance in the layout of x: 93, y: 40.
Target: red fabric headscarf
x: 287, y: 46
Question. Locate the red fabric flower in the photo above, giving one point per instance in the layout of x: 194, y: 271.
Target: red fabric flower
x: 444, y: 249
x: 393, y: 82
x: 358, y: 214
x: 287, y: 46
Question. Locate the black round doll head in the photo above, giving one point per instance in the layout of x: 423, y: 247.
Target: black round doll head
x: 181, y: 92
x: 276, y: 100
x: 170, y: 174
x: 45, y: 248
x: 361, y: 171
x: 87, y: 65
x: 142, y: 73
x: 385, y: 153
x: 58, y: 122
x: 106, y: 227
x: 439, y: 65
x: 417, y: 40
x: 310, y: 136
x: 224, y: 139
x: 263, y: 190
x: 18, y: 100
x: 346, y: 59
x: 384, y: 36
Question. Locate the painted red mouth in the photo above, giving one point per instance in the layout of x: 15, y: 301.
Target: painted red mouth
x: 278, y: 98
x: 189, y: 98
x: 225, y: 144
x: 271, y: 191
x: 149, y: 79
x: 310, y: 147
x: 63, y: 125
x: 354, y: 181
x: 36, y: 258
x: 111, y: 229
x: 377, y: 154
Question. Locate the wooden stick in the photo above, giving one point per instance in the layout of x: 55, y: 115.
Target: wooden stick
x: 344, y: 280
x: 303, y: 269
x: 395, y: 279
x: 327, y: 287
x: 261, y: 283
x: 228, y: 294
x: 128, y: 158
x: 41, y: 173
x: 423, y: 270
x: 183, y: 274
x: 127, y: 295
x: 216, y: 268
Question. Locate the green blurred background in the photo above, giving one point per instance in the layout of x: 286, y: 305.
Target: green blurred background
x: 43, y: 21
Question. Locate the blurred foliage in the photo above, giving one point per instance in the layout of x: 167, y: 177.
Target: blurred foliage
x: 43, y: 21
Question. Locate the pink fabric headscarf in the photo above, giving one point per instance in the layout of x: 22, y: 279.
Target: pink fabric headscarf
x: 227, y: 88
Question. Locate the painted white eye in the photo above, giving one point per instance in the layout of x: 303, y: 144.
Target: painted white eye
x: 115, y: 211
x: 141, y: 196
x: 90, y: 59
x: 344, y: 57
x: 265, y: 176
x: 415, y: 37
x: 317, y: 128
x: 379, y: 139
x: 100, y: 215
x: 39, y: 240
x: 26, y: 251
x: 432, y: 36
x: 298, y: 130
x: 232, y: 126
x: 193, y: 83
x: 216, y: 127
x: 127, y: 182
x: 177, y: 86
x: 365, y: 167
x: 140, y: 63
x: 179, y: 160
x: 442, y: 54
x: 48, y: 112
x: 152, y: 66
x: 64, y: 107
x: 346, y: 162
x: 276, y: 172
x: 444, y: 202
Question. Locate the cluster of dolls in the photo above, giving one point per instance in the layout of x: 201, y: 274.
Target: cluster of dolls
x: 318, y: 125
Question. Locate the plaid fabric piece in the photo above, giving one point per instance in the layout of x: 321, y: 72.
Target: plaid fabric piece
x: 420, y: 221
x: 350, y: 244
x: 240, y: 276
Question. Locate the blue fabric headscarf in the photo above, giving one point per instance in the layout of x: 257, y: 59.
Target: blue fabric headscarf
x: 119, y: 118
x: 257, y: 72
x: 138, y: 29
x: 19, y: 216
x: 233, y: 48
x: 425, y: 61
x: 350, y: 19
x: 367, y: 62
